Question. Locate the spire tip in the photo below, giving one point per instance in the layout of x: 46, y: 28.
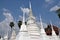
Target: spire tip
x: 30, y: 4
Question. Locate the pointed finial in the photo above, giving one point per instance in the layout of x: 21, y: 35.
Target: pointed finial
x: 30, y: 4
x: 41, y: 22
x: 23, y: 10
x: 23, y: 17
x: 53, y: 32
x: 41, y: 26
x: 40, y: 19
x: 50, y: 22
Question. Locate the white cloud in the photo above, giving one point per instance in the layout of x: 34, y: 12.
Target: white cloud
x: 58, y: 3
x: 4, y: 9
x: 54, y: 8
x: 25, y: 10
x: 20, y: 18
x: 8, y: 16
x: 4, y: 25
x: 47, y: 0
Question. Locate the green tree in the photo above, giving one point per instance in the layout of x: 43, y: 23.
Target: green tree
x: 25, y: 23
x: 0, y: 36
x: 19, y: 24
x: 58, y: 12
x: 11, y: 24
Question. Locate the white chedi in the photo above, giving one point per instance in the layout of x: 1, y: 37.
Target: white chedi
x: 5, y: 36
x: 33, y: 30
x: 13, y: 35
x: 23, y: 32
x: 1, y: 38
x: 54, y: 36
x: 42, y: 31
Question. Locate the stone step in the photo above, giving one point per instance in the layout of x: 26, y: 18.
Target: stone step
x: 33, y: 31
x: 35, y: 37
x: 34, y: 34
x: 33, y: 28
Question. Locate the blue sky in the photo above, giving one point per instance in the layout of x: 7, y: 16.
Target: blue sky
x: 39, y: 7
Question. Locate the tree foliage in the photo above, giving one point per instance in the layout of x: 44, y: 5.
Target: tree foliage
x: 25, y: 23
x: 0, y: 36
x: 11, y: 24
x: 19, y: 24
x: 58, y: 12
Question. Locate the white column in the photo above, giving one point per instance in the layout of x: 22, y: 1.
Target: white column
x: 42, y: 33
x: 23, y: 33
x: 54, y: 36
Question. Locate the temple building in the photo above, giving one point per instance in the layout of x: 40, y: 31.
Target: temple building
x: 31, y: 31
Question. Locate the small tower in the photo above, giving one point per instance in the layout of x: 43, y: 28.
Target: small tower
x: 42, y: 31
x: 1, y: 38
x: 41, y: 26
x: 23, y: 32
x: 33, y: 29
x: 23, y: 26
x: 30, y: 12
x: 54, y: 36
x: 13, y: 35
x: 30, y: 9
x: 6, y: 36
